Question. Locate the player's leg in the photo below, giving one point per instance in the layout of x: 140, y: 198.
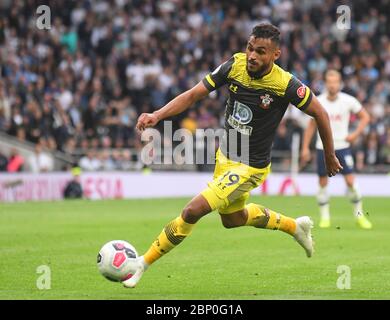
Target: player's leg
x: 239, y: 214
x: 346, y: 160
x: 323, y: 202
x: 171, y: 236
x: 229, y: 191
x: 228, y: 194
x: 233, y: 220
x: 322, y: 194
x: 355, y: 197
x: 178, y: 229
x: 259, y: 216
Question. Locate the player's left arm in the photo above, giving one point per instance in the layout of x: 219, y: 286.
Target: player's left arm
x: 307, y: 137
x: 364, y: 119
x: 302, y: 97
x: 317, y: 111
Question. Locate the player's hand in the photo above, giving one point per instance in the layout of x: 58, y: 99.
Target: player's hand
x: 147, y: 120
x: 351, y: 138
x: 305, y: 156
x: 333, y: 165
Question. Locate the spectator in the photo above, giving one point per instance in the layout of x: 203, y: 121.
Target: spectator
x: 282, y: 140
x: 40, y: 161
x: 90, y: 162
x: 282, y: 143
x: 73, y: 189
x: 5, y: 108
x: 3, y: 162
x: 190, y: 121
x: 372, y: 149
x: 15, y: 162
x: 385, y: 151
x: 206, y: 118
x: 107, y: 164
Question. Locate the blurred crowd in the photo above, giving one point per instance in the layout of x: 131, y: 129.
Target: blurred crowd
x: 38, y: 161
x: 79, y: 86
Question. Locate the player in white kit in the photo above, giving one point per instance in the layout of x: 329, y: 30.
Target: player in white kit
x: 340, y: 106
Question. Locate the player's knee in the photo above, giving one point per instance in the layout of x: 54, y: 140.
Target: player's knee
x: 195, y: 209
x: 350, y: 183
x: 322, y: 196
x: 323, y: 182
x: 235, y: 220
x: 192, y: 213
x: 189, y: 212
x: 354, y: 194
x: 229, y: 224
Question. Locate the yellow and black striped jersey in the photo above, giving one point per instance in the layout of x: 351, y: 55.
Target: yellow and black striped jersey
x: 255, y: 106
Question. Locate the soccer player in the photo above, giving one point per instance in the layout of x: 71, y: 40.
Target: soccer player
x: 339, y: 106
x: 259, y: 93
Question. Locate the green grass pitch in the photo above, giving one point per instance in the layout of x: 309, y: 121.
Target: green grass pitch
x: 213, y: 263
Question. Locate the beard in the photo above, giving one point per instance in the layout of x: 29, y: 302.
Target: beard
x: 258, y: 73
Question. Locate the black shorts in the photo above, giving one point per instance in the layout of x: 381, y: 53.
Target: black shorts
x: 345, y: 158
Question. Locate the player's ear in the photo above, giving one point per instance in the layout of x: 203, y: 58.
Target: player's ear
x: 277, y: 53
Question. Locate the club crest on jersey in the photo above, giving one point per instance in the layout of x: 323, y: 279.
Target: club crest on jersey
x: 266, y: 101
x: 301, y: 91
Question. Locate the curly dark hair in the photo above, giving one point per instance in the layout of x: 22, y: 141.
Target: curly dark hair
x: 267, y: 31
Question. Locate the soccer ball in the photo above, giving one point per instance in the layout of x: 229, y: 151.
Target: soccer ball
x: 116, y: 260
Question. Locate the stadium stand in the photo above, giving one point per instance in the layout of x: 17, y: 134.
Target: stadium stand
x: 79, y: 87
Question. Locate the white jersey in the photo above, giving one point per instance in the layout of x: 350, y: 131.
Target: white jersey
x: 339, y: 112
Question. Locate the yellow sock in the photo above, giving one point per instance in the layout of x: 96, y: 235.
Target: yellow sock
x: 261, y: 217
x: 173, y: 233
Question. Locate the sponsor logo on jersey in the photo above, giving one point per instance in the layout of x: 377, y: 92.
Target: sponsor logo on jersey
x: 336, y: 117
x: 240, y: 117
x: 242, y: 113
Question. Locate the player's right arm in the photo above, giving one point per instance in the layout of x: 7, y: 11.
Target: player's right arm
x: 212, y: 81
x: 177, y: 105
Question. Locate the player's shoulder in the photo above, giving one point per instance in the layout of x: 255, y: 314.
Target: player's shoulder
x: 236, y: 64
x: 239, y: 60
x: 342, y: 97
x: 350, y: 102
x: 239, y: 55
x: 347, y: 97
x: 282, y: 75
